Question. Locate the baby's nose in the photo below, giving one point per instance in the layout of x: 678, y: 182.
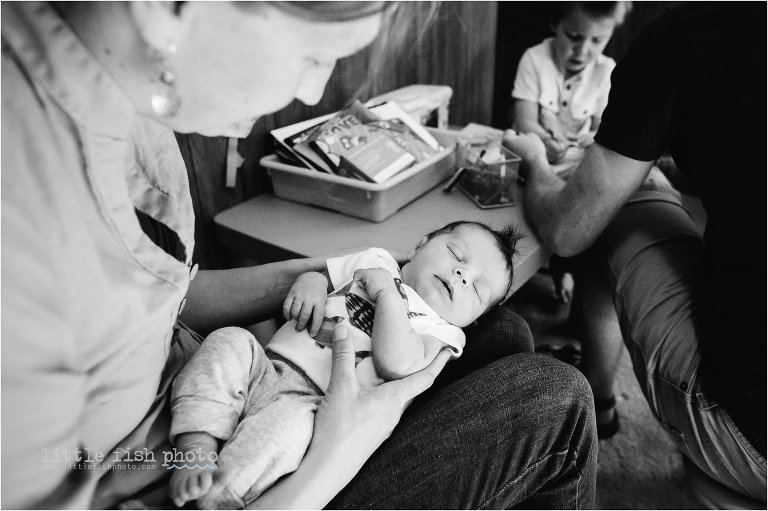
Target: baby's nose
x: 461, y: 276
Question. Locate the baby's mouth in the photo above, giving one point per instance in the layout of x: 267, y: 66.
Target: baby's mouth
x: 447, y: 285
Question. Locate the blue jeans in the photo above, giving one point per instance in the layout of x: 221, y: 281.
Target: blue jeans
x: 517, y: 432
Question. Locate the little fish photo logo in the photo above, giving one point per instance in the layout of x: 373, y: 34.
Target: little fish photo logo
x: 194, y: 459
x: 84, y: 458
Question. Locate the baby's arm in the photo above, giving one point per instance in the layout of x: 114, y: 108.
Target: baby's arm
x: 305, y: 301
x: 531, y: 118
x: 397, y: 349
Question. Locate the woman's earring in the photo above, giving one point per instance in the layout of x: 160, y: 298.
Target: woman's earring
x: 166, y: 103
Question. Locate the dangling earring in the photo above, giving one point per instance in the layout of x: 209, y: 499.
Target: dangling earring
x: 167, y: 102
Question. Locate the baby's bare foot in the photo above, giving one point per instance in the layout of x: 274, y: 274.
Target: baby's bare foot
x: 192, y: 477
x: 189, y: 484
x: 219, y: 496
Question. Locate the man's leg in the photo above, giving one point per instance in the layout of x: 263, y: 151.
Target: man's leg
x: 653, y: 255
x: 519, y: 431
x: 594, y: 318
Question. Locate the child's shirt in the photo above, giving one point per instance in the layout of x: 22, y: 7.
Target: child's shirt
x: 351, y: 305
x: 574, y: 100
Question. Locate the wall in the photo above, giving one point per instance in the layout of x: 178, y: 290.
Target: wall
x: 458, y: 50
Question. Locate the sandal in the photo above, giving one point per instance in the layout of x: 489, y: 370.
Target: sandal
x: 610, y: 428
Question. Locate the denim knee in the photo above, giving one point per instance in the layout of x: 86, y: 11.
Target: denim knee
x: 496, y: 335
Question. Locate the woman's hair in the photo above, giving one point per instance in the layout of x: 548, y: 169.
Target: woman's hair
x: 616, y: 10
x: 331, y: 11
x: 403, y: 25
x: 505, y: 239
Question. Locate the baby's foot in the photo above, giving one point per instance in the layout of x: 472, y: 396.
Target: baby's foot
x: 193, y: 477
x: 219, y: 495
x: 189, y: 484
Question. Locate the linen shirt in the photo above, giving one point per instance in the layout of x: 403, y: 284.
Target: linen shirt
x: 576, y: 99
x: 89, y: 301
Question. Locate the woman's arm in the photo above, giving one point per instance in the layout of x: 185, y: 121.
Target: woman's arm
x: 350, y: 425
x: 242, y: 296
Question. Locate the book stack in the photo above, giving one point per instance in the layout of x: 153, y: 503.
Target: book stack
x: 372, y: 144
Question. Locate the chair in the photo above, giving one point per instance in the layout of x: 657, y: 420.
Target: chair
x: 715, y: 495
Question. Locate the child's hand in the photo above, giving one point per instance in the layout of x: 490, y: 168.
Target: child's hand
x: 556, y: 149
x: 374, y: 281
x: 306, y: 301
x: 587, y: 139
x: 551, y: 123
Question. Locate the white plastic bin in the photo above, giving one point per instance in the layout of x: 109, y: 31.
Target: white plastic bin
x: 370, y: 201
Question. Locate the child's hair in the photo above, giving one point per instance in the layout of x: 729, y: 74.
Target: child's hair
x: 506, y: 241
x: 596, y: 10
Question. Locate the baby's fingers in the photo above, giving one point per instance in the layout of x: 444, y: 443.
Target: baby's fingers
x: 317, y: 318
x: 302, y: 317
x: 287, y: 304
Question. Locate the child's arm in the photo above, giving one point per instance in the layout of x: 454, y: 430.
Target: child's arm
x: 547, y: 127
x: 396, y: 348
x: 305, y: 301
x: 587, y: 139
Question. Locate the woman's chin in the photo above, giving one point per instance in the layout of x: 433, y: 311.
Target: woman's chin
x: 239, y: 129
x: 234, y: 130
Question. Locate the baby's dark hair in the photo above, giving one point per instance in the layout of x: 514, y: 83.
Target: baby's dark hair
x: 596, y: 10
x: 506, y: 241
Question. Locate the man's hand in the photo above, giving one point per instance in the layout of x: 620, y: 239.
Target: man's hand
x: 529, y: 147
x: 306, y: 301
x: 374, y: 281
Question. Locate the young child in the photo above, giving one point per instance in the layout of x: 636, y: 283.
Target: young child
x: 261, y: 406
x: 561, y: 90
x: 562, y: 84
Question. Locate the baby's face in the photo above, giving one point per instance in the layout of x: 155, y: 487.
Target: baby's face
x: 459, y: 274
x: 580, y: 39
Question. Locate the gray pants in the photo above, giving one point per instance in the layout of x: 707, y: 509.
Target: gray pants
x: 262, y: 408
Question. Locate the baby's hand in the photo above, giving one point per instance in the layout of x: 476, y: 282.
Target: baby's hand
x: 374, y: 281
x: 306, y: 301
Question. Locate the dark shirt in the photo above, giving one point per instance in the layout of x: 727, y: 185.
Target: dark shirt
x: 693, y: 83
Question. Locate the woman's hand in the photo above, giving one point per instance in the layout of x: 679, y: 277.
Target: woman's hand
x: 357, y: 420
x: 305, y: 301
x: 351, y: 423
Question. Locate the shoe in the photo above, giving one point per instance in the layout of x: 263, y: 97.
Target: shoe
x: 610, y: 428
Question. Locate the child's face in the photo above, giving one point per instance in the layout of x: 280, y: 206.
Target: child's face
x: 459, y: 274
x: 580, y: 39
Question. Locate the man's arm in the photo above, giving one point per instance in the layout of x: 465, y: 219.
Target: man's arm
x: 242, y: 296
x: 568, y: 217
x: 528, y: 120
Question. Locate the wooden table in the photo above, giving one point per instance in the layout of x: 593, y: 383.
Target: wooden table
x: 270, y: 229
